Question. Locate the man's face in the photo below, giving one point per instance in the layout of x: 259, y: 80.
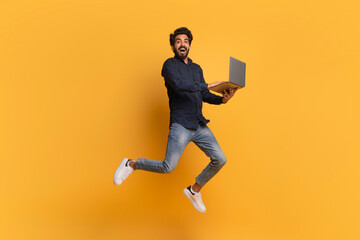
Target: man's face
x: 181, y: 46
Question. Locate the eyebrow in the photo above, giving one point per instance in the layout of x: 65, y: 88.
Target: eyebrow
x: 180, y: 39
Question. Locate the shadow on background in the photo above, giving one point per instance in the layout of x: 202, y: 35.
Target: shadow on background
x: 158, y: 192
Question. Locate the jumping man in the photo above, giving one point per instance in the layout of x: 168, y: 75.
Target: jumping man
x: 186, y: 89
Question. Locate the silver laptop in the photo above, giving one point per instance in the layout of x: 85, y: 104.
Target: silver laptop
x: 236, y: 77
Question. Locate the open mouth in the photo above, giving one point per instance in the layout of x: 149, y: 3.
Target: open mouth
x: 182, y: 50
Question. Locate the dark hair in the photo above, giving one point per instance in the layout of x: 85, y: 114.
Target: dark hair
x: 182, y: 30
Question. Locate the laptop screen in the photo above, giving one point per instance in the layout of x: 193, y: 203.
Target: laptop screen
x: 237, y: 72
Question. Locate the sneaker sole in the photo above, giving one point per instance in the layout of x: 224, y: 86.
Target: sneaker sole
x: 118, y: 181
x: 187, y: 194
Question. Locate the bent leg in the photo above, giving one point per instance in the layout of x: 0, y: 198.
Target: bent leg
x: 179, y: 137
x: 206, y: 141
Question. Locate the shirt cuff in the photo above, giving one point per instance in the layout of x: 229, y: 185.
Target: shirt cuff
x: 203, y: 86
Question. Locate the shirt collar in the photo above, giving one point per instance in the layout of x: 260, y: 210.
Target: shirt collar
x: 189, y: 60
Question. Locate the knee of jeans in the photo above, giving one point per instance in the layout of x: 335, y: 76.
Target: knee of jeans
x: 220, y: 161
x: 166, y: 168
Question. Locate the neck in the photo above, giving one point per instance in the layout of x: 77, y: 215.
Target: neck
x: 186, y: 60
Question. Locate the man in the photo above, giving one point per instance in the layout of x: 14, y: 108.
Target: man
x: 186, y: 90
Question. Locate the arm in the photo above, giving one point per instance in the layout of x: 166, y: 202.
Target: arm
x: 173, y: 77
x: 206, y: 95
x: 211, y: 98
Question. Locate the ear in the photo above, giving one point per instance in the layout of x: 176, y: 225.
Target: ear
x: 172, y: 48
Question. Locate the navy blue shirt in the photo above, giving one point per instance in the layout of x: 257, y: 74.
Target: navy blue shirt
x: 186, y: 89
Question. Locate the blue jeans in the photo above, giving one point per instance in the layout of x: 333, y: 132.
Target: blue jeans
x: 179, y: 137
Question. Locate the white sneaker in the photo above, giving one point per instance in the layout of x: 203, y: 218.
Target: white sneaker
x: 195, y: 199
x: 123, y: 171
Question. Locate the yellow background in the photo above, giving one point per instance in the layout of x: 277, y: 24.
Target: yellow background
x: 81, y: 89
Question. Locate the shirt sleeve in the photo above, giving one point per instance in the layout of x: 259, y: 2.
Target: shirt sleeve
x: 173, y: 77
x: 207, y: 96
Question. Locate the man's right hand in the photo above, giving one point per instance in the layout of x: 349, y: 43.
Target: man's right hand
x: 210, y: 85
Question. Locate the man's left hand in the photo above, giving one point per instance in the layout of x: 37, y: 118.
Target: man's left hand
x: 228, y: 94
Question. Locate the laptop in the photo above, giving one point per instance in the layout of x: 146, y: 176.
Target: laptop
x: 236, y: 77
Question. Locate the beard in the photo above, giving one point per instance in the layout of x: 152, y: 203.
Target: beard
x: 181, y: 55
